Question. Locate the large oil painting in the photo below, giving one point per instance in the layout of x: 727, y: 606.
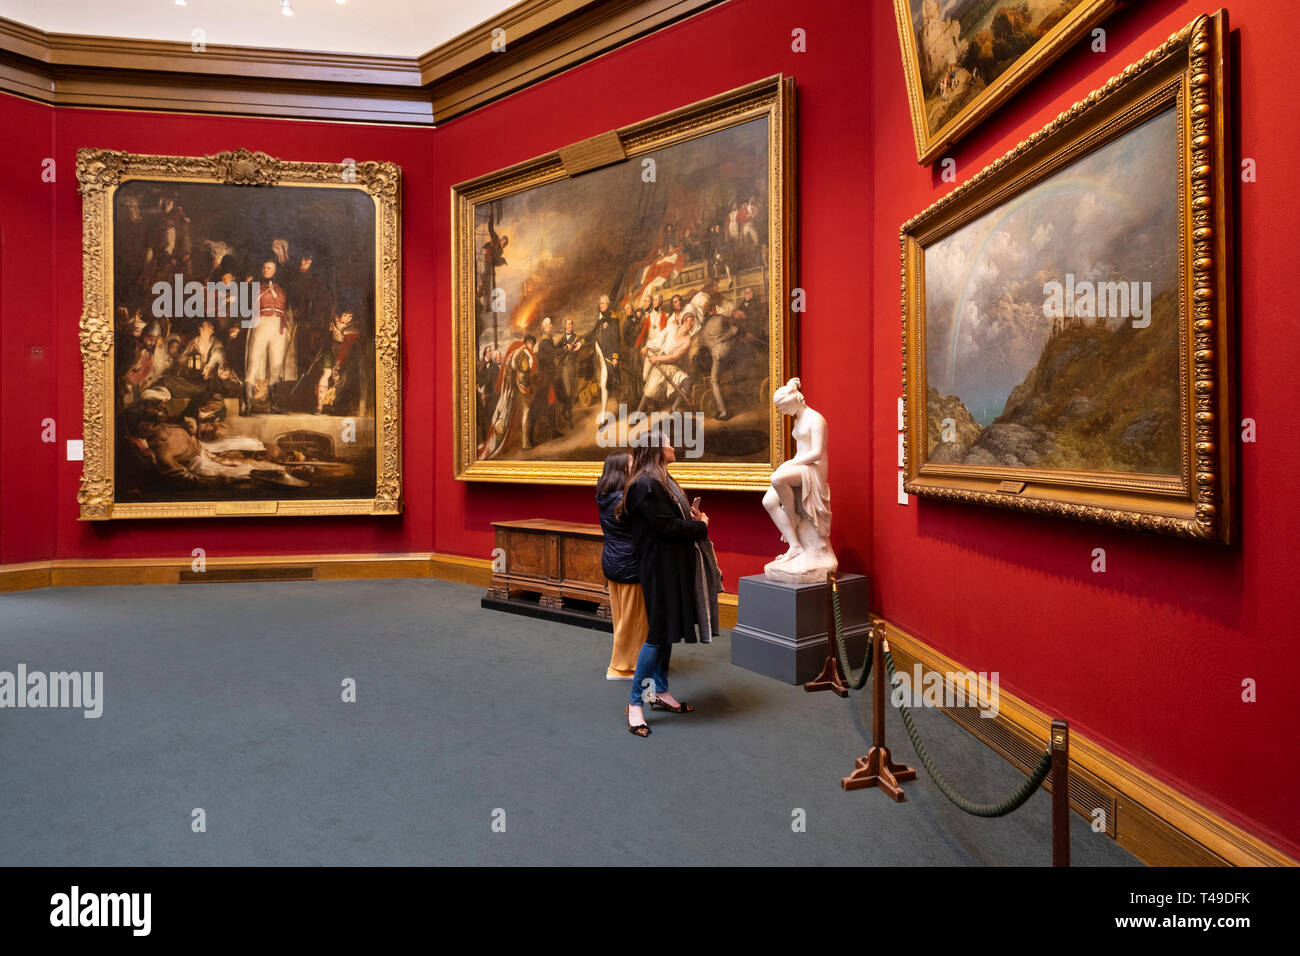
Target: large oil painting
x: 1064, y: 335
x: 962, y: 58
x: 1051, y: 323
x: 649, y: 288
x: 251, y: 336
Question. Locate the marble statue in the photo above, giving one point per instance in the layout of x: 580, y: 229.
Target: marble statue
x: 799, y: 500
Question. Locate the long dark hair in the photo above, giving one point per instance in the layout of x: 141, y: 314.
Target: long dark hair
x: 648, y: 459
x: 614, y: 477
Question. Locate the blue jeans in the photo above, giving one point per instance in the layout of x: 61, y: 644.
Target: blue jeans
x: 651, y: 664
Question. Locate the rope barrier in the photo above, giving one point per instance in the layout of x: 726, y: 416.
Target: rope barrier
x: 842, y: 650
x: 878, y: 769
x: 1014, y: 802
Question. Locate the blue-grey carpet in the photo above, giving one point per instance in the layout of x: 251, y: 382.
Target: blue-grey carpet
x: 228, y: 697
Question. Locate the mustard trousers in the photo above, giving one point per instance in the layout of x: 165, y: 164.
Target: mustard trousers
x: 627, y: 602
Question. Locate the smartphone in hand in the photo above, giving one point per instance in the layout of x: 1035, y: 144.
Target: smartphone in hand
x: 695, y: 505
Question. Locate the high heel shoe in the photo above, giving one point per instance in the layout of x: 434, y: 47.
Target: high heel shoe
x: 681, y: 708
x: 641, y: 730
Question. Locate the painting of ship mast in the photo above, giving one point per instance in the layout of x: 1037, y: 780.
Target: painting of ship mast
x: 580, y: 282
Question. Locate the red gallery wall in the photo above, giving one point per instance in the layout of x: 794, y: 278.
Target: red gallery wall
x: 28, y: 333
x: 1147, y: 658
x: 48, y: 512
x: 721, y: 49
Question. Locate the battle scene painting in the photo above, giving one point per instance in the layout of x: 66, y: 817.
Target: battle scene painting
x: 244, y: 352
x: 636, y: 290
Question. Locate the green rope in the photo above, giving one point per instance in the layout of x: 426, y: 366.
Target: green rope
x: 1014, y: 802
x: 843, y: 651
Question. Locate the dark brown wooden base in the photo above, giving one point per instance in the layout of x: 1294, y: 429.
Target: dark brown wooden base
x: 831, y: 677
x: 877, y: 769
x: 534, y: 608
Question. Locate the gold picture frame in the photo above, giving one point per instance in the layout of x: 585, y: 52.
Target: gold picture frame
x: 936, y: 124
x: 101, y: 173
x: 1178, y: 92
x: 770, y: 100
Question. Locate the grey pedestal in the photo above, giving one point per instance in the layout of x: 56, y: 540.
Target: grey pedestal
x: 781, y: 628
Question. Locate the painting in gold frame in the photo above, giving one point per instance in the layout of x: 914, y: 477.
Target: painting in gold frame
x: 963, y: 58
x: 684, y: 224
x: 1067, y: 312
x: 239, y: 336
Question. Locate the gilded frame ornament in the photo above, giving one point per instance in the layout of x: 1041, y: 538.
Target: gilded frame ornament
x: 931, y: 143
x: 771, y: 98
x: 99, y: 174
x: 1189, y: 72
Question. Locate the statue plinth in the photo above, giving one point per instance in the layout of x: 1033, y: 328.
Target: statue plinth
x: 780, y: 629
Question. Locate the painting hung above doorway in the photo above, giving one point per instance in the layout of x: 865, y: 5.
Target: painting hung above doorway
x: 1067, y: 311
x: 963, y: 58
x: 239, y: 336
x: 638, y: 277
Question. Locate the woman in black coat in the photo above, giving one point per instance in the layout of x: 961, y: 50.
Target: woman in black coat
x: 670, y: 538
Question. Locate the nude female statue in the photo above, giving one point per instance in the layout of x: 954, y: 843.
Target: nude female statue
x: 799, y: 500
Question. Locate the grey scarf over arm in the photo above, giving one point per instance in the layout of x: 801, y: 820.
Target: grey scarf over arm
x: 708, y: 577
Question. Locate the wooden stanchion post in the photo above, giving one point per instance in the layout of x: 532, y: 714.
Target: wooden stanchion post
x: 877, y: 769
x: 832, y: 676
x: 1060, y: 793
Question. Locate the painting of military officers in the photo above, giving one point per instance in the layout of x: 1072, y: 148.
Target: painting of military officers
x: 243, y: 350
x: 606, y: 297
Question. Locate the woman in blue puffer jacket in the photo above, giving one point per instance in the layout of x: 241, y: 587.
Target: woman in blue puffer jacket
x: 622, y: 571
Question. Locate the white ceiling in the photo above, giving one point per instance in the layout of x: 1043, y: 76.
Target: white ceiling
x: 393, y: 27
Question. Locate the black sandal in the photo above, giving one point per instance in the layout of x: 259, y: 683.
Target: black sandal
x: 641, y: 730
x: 681, y: 708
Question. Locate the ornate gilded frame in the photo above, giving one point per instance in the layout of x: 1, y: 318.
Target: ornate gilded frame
x: 931, y: 143
x: 772, y: 98
x: 1190, y: 72
x: 99, y: 173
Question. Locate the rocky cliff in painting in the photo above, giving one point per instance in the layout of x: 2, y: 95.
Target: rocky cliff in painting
x: 938, y: 42
x: 1100, y: 398
x: 952, y: 430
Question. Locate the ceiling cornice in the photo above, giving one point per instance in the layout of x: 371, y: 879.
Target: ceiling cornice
x: 170, y: 56
x: 522, y: 21
x: 542, y: 38
x: 565, y: 33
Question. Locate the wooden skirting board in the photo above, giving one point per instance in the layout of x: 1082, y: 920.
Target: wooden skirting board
x: 1152, y: 820
x: 287, y: 567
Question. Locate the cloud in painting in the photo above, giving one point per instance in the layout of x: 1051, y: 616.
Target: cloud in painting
x: 1110, y: 216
